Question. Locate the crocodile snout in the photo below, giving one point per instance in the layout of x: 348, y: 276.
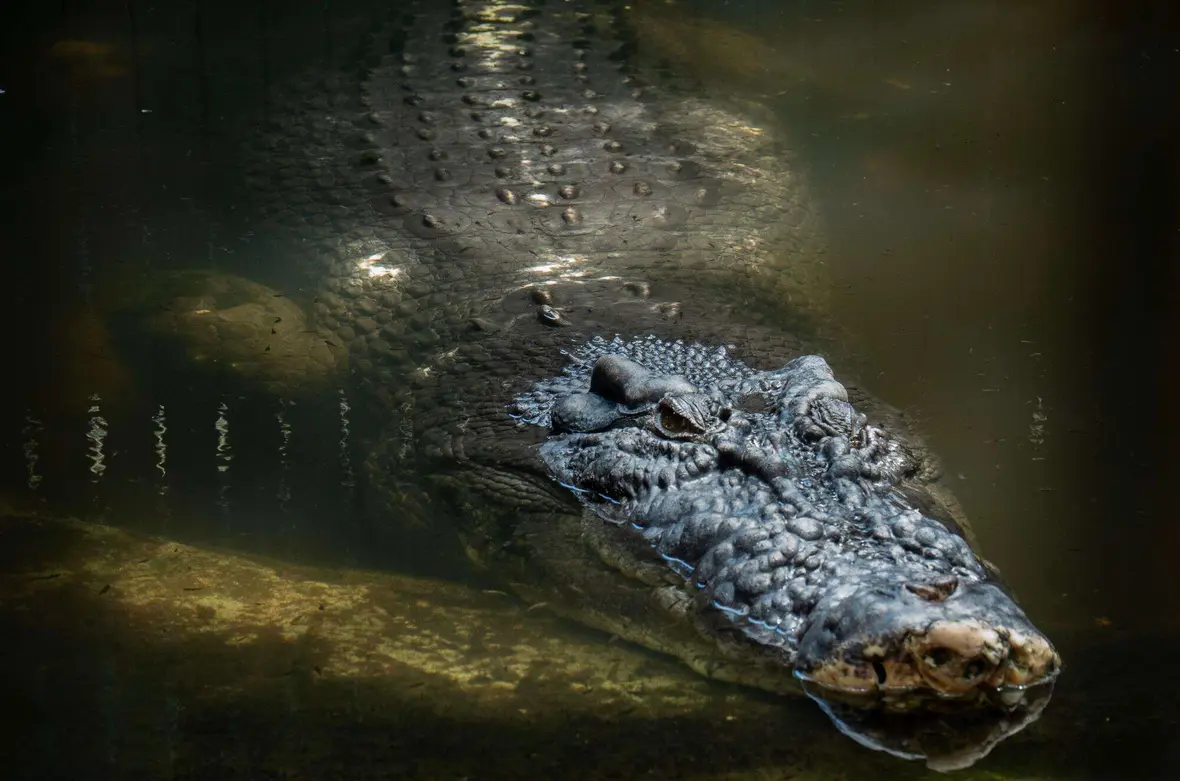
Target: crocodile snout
x: 954, y: 643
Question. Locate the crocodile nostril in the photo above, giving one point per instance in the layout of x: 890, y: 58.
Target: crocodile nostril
x: 974, y: 669
x: 939, y: 657
x: 549, y: 316
x: 879, y: 670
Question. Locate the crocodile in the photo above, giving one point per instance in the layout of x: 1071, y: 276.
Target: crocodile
x: 587, y: 307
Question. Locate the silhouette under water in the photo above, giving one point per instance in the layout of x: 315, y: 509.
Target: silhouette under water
x: 232, y: 608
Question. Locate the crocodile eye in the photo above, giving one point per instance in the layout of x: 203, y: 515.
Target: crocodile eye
x: 935, y: 591
x: 548, y: 315
x: 672, y: 422
x: 689, y: 416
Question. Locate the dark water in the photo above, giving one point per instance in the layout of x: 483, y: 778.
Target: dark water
x: 1001, y: 186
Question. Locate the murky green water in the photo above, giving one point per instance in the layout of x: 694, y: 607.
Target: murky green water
x: 1000, y: 183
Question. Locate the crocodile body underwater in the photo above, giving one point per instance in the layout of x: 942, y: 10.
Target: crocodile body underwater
x: 585, y: 301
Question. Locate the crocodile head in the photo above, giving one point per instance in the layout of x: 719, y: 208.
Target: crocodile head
x: 804, y: 534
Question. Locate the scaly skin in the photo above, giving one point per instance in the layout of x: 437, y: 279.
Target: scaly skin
x: 506, y: 193
x: 792, y: 521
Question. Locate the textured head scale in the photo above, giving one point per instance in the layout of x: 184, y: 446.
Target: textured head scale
x: 798, y: 527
